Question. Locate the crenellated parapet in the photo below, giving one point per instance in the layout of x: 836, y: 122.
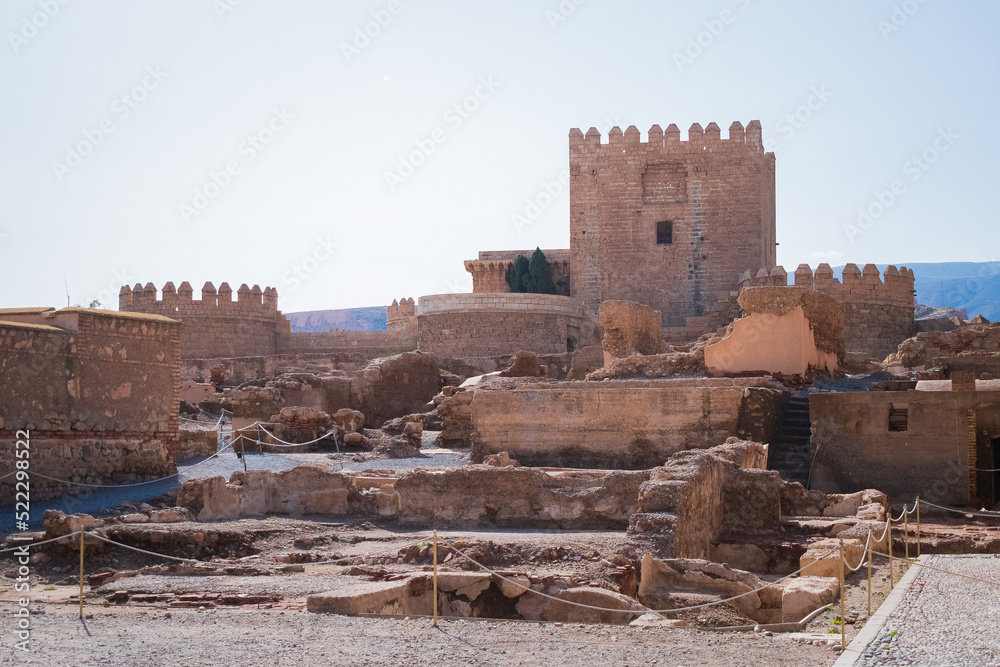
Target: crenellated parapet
x: 709, y: 138
x: 219, y: 324
x: 401, y: 316
x: 489, y: 271
x: 879, y: 306
x: 894, y: 287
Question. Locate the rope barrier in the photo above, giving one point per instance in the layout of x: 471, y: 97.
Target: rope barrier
x: 961, y: 511
x: 123, y: 486
x: 628, y: 611
x: 151, y: 553
x: 38, y: 544
x: 938, y: 569
x: 297, y: 444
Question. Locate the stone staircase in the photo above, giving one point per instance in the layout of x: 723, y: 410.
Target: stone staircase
x: 789, y: 454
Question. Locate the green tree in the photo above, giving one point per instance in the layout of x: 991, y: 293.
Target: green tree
x: 518, y: 274
x: 540, y: 275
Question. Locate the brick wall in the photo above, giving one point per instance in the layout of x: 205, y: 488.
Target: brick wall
x: 97, y: 390
x: 717, y: 194
x: 878, y: 309
x: 492, y: 324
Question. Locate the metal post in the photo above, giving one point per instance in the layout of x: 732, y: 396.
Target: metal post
x: 918, y: 526
x: 81, y: 573
x: 435, y: 578
x: 843, y: 621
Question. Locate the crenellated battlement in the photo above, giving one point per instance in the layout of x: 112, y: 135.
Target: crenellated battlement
x: 180, y: 301
x: 401, y: 309
x: 700, y: 139
x: 894, y: 287
x: 878, y: 307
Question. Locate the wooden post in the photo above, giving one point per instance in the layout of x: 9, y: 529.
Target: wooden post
x: 891, y: 581
x: 81, y: 573
x: 435, y: 578
x: 843, y: 620
x: 906, y: 536
x: 869, y: 576
x: 918, y: 526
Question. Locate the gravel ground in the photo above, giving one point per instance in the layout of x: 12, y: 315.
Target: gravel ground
x: 127, y: 637
x: 944, y: 620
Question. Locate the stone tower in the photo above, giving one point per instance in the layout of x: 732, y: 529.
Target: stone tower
x: 668, y: 223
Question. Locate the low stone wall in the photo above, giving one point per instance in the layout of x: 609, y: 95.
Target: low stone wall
x: 627, y: 424
x: 629, y: 328
x: 192, y: 444
x: 472, y: 496
x: 85, y: 458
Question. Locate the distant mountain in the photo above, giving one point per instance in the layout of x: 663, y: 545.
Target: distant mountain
x: 928, y: 313
x: 369, y: 318
x: 974, y: 286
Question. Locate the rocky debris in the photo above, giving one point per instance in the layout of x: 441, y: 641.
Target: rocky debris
x: 501, y: 460
x: 215, y: 406
x: 868, y: 504
x: 929, y: 349
x: 585, y: 360
x: 454, y: 405
x: 525, y: 364
x: 674, y: 362
x: 803, y: 595
x: 300, y: 424
x: 397, y: 447
x: 57, y: 524
x: 352, y: 421
x: 630, y: 329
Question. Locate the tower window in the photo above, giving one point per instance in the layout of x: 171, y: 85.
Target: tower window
x: 664, y: 233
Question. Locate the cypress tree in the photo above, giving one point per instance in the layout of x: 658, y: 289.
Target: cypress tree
x: 518, y: 275
x: 540, y: 275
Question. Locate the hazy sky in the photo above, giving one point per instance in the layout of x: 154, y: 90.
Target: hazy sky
x: 348, y: 153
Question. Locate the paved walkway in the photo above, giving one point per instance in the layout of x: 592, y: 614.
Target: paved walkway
x: 943, y: 619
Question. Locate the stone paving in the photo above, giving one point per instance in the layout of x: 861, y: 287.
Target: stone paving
x: 944, y: 620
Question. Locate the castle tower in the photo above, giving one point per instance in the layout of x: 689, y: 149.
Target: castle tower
x: 668, y: 223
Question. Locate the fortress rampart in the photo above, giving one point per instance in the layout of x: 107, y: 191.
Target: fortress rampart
x: 498, y: 323
x: 489, y: 272
x: 878, y: 307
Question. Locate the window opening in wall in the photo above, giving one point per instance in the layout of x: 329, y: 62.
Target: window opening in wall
x: 664, y: 233
x: 898, y: 419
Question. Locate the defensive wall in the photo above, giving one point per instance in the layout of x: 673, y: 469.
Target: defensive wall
x: 95, y: 390
x: 496, y: 323
x: 878, y: 309
x: 489, y: 272
x: 668, y: 223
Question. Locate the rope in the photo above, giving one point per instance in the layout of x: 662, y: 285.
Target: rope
x: 123, y: 486
x: 204, y: 428
x: 628, y: 611
x: 143, y: 551
x: 296, y: 444
x: 38, y: 544
x: 961, y: 511
x: 9, y: 474
x: 938, y: 569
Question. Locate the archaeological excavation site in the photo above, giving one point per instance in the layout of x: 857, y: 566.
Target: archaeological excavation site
x: 655, y: 432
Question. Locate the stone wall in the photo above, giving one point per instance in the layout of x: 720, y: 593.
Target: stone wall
x: 626, y: 424
x: 97, y: 391
x: 629, y: 328
x: 668, y: 223
x: 978, y: 344
x: 854, y: 448
x: 489, y: 272
x: 493, y: 324
x: 878, y: 309
x: 215, y: 325
x: 196, y: 444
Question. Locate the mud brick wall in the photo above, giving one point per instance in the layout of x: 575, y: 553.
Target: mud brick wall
x: 628, y: 424
x: 98, y: 392
x: 716, y: 194
x: 854, y: 449
x: 493, y: 324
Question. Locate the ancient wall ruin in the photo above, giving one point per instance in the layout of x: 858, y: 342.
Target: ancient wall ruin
x: 906, y: 443
x: 627, y: 424
x: 96, y: 390
x: 878, y: 309
x: 492, y: 324
x: 668, y: 223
